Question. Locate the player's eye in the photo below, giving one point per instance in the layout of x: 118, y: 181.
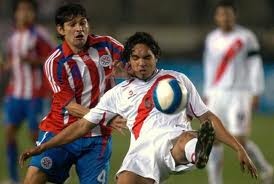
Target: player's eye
x: 148, y: 57
x: 83, y: 22
x: 71, y: 24
x: 134, y: 57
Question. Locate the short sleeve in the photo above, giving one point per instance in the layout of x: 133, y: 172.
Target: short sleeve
x: 105, y: 110
x: 253, y: 44
x: 255, y: 65
x: 195, y: 105
x: 57, y: 78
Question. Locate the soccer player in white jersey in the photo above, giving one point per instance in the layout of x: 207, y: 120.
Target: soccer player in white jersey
x: 160, y: 143
x: 233, y: 82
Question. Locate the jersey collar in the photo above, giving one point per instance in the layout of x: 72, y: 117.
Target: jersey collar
x: 67, y: 50
x: 156, y: 71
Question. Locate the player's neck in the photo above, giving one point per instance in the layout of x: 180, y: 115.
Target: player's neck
x: 77, y: 50
x: 227, y: 30
x: 155, y: 72
x: 22, y: 26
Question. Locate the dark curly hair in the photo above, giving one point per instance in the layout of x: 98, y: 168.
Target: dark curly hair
x: 143, y: 38
x: 67, y: 12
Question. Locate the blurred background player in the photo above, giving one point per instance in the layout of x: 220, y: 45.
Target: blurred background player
x: 27, y: 47
x: 79, y: 72
x: 234, y: 79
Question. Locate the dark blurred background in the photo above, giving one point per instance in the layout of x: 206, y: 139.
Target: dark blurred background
x: 179, y: 25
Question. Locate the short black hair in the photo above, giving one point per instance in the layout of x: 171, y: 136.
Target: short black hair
x: 140, y: 38
x: 226, y: 3
x: 31, y: 2
x: 67, y: 12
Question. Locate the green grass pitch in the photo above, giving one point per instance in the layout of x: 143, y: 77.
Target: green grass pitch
x: 262, y: 134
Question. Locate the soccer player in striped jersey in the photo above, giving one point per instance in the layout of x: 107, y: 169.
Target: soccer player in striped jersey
x: 79, y: 72
x: 27, y: 48
x: 233, y: 82
x: 160, y: 143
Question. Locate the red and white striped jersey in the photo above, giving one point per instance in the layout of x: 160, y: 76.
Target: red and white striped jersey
x: 133, y: 99
x: 82, y: 77
x: 232, y: 61
x: 27, y: 80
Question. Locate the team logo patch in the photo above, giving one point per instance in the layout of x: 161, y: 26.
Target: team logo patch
x: 105, y: 60
x: 131, y: 94
x: 46, y: 162
x: 85, y: 58
x: 148, y: 103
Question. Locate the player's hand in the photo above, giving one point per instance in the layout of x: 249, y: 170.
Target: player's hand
x: 247, y: 164
x: 119, y: 123
x: 121, y: 70
x: 29, y: 153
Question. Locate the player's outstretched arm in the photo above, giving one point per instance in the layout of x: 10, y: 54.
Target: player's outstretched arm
x: 69, y: 134
x: 224, y: 136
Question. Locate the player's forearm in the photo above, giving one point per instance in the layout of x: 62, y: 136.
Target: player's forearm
x: 77, y: 110
x: 222, y: 134
x: 69, y: 134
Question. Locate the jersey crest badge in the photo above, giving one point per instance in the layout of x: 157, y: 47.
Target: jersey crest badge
x: 131, y: 94
x: 148, y: 103
x: 85, y: 58
x: 105, y: 60
x: 46, y: 162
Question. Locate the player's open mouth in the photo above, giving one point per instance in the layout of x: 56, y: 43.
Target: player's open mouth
x: 79, y: 37
x: 142, y: 71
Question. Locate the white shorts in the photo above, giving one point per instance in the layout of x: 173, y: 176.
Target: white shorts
x: 150, y: 156
x: 233, y: 108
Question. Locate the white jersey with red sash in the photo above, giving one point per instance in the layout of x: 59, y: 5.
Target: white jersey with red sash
x: 152, y: 131
x: 133, y: 100
x: 233, y: 74
x: 232, y: 61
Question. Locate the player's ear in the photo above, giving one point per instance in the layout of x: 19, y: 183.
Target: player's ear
x: 60, y: 30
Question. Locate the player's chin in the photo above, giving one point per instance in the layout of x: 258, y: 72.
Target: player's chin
x: 143, y: 76
x: 80, y: 42
x: 144, y: 73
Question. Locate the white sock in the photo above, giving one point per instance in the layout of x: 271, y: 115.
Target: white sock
x: 190, y: 150
x: 215, y: 166
x: 257, y: 157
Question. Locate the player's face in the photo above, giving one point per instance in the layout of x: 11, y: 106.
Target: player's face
x: 142, y: 61
x: 24, y: 14
x: 75, y: 32
x: 225, y: 18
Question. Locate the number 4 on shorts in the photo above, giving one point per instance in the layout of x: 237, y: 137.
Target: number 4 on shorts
x: 102, y: 177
